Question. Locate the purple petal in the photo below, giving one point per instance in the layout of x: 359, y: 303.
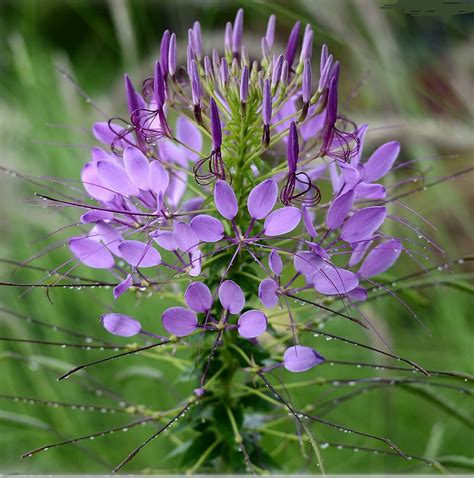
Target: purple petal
x: 282, y: 221
x: 370, y: 191
x: 102, y: 132
x: 267, y: 293
x: 363, y: 224
x: 91, y: 253
x: 122, y: 325
x: 231, y: 297
x: 179, y: 321
x: 251, y: 324
x: 139, y: 254
x: 114, y: 177
x: 198, y: 297
x: 226, y: 202
x: 332, y: 280
x: 381, y: 258
x: 108, y: 235
x: 359, y: 294
x: 119, y: 289
x: 299, y: 358
x: 381, y: 161
x: 188, y: 133
x: 137, y: 167
x: 177, y: 187
x: 166, y: 240
x: 339, y: 209
x: 262, y: 199
x: 358, y: 252
x: 275, y: 263
x: 96, y: 215
x: 307, y: 263
x: 207, y: 228
x: 196, y: 263
x: 361, y: 132
x: 187, y: 239
x: 308, y: 223
x: 170, y: 152
x: 158, y: 177
x: 93, y: 185
x: 193, y: 204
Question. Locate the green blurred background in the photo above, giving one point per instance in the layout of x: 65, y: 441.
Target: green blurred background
x: 409, y: 77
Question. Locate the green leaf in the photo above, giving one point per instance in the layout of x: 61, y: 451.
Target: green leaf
x: 18, y: 419
x: 457, y: 461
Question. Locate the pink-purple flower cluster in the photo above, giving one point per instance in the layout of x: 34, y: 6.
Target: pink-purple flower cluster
x: 233, y: 154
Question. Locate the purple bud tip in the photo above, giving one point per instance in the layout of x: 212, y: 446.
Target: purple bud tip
x: 323, y: 79
x: 172, y: 55
x: 189, y: 60
x: 159, y: 86
x: 324, y: 57
x: 292, y: 44
x: 207, y: 67
x: 307, y: 48
x: 216, y: 60
x: 132, y: 99
x: 196, y: 89
x: 285, y: 73
x: 306, y: 86
x: 164, y: 52
x: 277, y: 66
x: 267, y: 103
x: 265, y: 48
x: 293, y: 147
x: 197, y: 39
x: 224, y: 71
x: 228, y: 36
x: 270, y: 33
x: 215, y: 126
x: 244, y: 85
x: 238, y: 31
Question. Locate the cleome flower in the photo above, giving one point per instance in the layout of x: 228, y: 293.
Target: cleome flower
x: 163, y: 204
x: 237, y: 192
